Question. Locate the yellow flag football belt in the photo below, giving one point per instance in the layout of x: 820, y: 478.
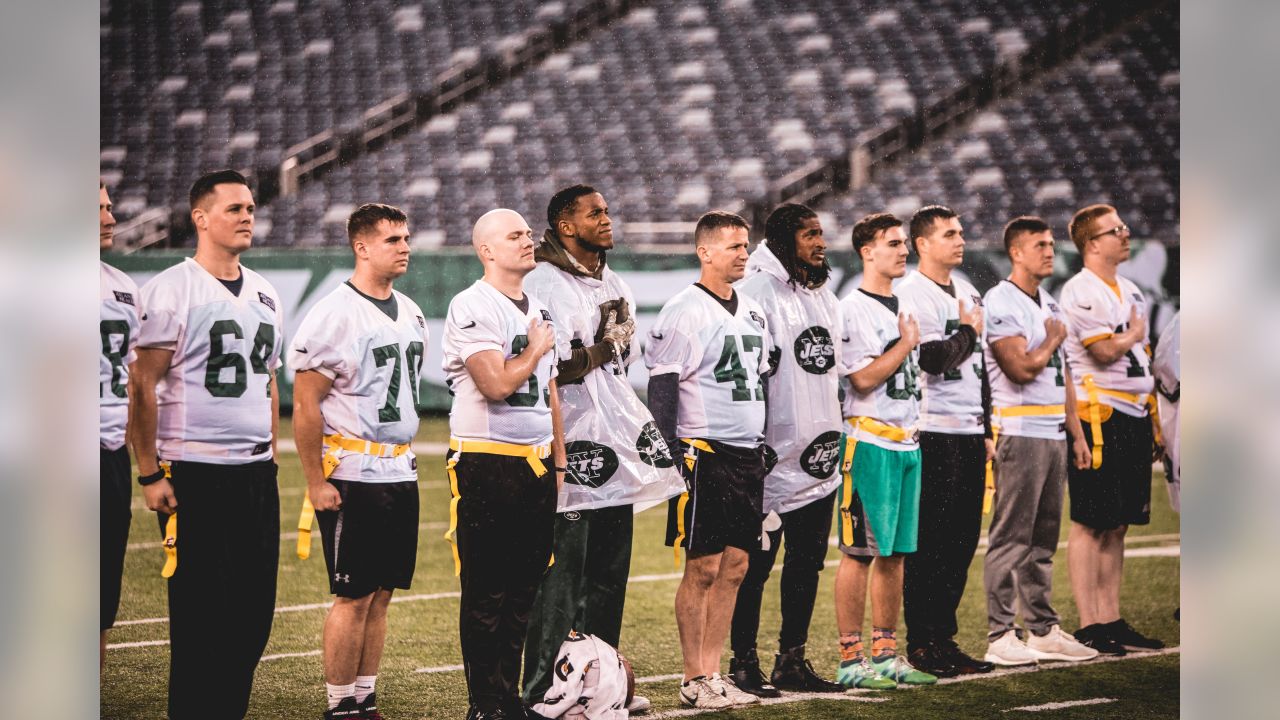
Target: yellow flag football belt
x: 533, y: 454
x: 334, y: 443
x: 170, y: 534
x: 690, y: 459
x: 879, y: 429
x: 1097, y: 413
x: 989, y: 494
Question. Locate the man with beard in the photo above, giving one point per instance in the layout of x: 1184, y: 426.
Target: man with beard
x: 616, y: 459
x: 787, y: 277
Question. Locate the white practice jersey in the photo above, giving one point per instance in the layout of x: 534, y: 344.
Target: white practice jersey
x: 870, y: 329
x: 215, y: 400
x: 1167, y: 366
x: 482, y: 318
x: 719, y: 358
x: 1095, y: 312
x: 118, y: 324
x: 1010, y: 312
x: 615, y: 453
x: 952, y: 401
x: 375, y: 364
x: 803, y: 424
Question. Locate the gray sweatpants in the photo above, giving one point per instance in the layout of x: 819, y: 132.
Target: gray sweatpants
x: 1031, y: 474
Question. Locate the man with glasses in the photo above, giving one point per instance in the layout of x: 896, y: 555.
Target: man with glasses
x: 1107, y: 352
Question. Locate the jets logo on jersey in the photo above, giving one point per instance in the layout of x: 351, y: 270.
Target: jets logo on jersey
x: 822, y: 455
x: 653, y: 448
x: 265, y: 299
x: 1053, y: 308
x: 546, y: 315
x: 756, y: 317
x: 815, y: 352
x: 590, y: 464
x: 422, y: 322
x: 123, y: 297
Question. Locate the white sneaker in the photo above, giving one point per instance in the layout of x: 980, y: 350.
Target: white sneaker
x: 699, y: 693
x: 1009, y: 650
x: 1058, y: 645
x: 639, y: 705
x: 733, y: 693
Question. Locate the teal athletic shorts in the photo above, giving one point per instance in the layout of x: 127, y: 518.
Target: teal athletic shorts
x: 883, y: 513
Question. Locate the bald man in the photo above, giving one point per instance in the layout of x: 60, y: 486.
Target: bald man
x: 506, y: 458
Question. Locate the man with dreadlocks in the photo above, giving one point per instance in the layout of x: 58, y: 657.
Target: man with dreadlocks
x: 617, y: 461
x: 787, y: 276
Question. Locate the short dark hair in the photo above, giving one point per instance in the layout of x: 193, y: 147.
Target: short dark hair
x: 566, y: 201
x: 367, y: 216
x: 866, y: 229
x: 922, y: 222
x: 1082, y: 220
x: 204, y: 185
x: 715, y: 220
x: 780, y: 236
x: 1022, y: 225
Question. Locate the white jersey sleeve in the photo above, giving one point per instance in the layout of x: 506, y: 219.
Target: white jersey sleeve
x: 952, y: 401
x: 481, y: 318
x: 1095, y: 311
x: 214, y: 402
x: 870, y: 329
x: 118, y: 325
x: 804, y: 424
x: 375, y: 364
x: 720, y: 359
x: 1010, y: 312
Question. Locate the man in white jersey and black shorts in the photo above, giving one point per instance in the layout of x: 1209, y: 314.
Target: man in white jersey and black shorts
x: 1107, y: 347
x: 206, y: 411
x: 954, y: 442
x: 505, y: 461
x: 118, y: 326
x: 707, y: 357
x: 617, y: 459
x: 358, y: 356
x: 1033, y: 413
x: 879, y: 497
x: 787, y: 276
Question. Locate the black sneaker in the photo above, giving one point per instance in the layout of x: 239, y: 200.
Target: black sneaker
x: 348, y: 708
x: 964, y: 663
x: 745, y: 673
x: 370, y: 708
x: 1123, y: 633
x: 1096, y: 636
x: 475, y: 713
x: 932, y: 659
x: 792, y: 672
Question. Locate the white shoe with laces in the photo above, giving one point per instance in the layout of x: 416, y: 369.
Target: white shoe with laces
x: 699, y: 693
x: 1009, y: 650
x: 733, y: 693
x: 1059, y: 645
x: 639, y: 705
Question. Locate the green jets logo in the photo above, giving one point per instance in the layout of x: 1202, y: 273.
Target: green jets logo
x: 822, y: 455
x: 590, y: 464
x: 815, y: 353
x: 653, y: 448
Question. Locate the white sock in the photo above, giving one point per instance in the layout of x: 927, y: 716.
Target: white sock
x: 364, y: 686
x: 336, y: 693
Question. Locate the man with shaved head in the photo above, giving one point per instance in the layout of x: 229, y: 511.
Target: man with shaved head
x: 500, y: 365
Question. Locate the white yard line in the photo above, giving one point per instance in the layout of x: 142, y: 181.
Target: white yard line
x: 1060, y: 705
x: 440, y: 669
x: 282, y: 656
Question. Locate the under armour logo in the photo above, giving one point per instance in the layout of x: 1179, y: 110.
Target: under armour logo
x: 339, y: 577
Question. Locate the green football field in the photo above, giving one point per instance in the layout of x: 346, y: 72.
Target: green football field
x: 421, y: 672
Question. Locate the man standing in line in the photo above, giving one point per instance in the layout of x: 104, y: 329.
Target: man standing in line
x: 1107, y: 346
x: 880, y: 496
x: 617, y: 459
x: 1033, y: 408
x: 500, y: 365
x: 358, y: 356
x: 955, y: 443
x: 118, y: 326
x: 205, y: 442
x: 707, y: 356
x: 787, y: 276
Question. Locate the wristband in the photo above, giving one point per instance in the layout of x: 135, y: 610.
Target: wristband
x: 557, y: 468
x: 155, y: 477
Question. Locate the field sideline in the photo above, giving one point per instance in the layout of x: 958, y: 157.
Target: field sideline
x: 421, y: 674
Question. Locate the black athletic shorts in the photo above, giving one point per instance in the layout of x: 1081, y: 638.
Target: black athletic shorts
x: 724, y: 505
x: 116, y: 480
x: 371, y: 542
x: 1119, y: 492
